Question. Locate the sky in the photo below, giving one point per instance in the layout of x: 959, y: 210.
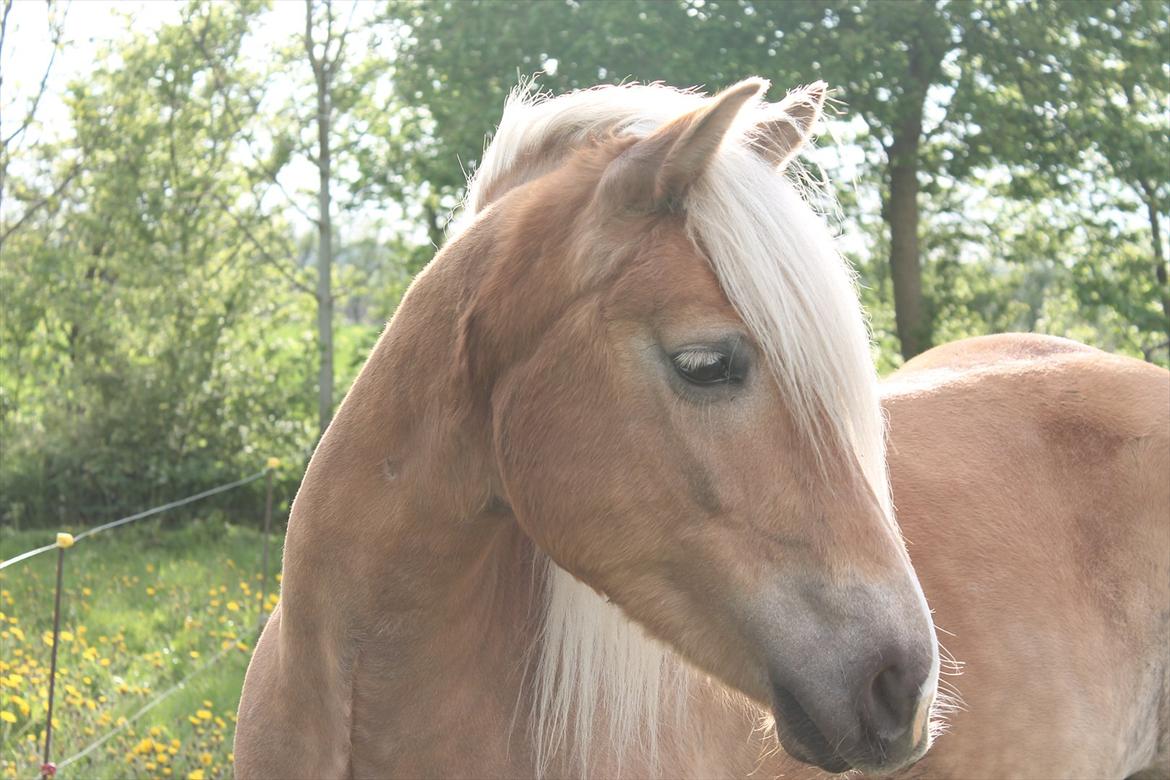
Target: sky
x: 88, y: 25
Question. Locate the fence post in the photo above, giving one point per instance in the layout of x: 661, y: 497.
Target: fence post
x: 64, y: 541
x: 273, y: 464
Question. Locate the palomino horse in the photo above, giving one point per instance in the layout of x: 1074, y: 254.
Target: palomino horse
x: 634, y: 396
x: 1032, y: 480
x: 630, y: 407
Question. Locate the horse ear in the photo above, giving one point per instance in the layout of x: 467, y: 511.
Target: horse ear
x: 780, y: 138
x: 658, y: 170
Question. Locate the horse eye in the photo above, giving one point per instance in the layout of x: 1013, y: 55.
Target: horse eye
x: 703, y: 366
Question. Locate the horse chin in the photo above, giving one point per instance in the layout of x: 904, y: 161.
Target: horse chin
x: 801, y: 738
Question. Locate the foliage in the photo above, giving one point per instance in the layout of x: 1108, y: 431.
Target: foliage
x: 132, y: 372
x: 961, y: 92
x: 158, y: 332
x: 142, y: 609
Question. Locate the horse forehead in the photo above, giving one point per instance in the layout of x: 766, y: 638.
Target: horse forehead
x: 672, y: 274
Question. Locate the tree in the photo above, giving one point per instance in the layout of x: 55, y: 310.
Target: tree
x: 935, y: 101
x: 456, y: 61
x: 1087, y: 126
x: 131, y: 370
x: 15, y: 133
x: 334, y: 137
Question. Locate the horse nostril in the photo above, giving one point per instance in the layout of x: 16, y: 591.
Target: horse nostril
x: 892, y: 696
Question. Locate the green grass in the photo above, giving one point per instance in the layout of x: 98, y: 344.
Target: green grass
x: 142, y: 608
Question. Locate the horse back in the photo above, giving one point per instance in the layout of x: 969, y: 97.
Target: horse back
x: 1031, y: 477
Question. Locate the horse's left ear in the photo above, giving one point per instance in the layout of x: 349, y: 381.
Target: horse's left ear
x: 779, y: 139
x: 658, y: 170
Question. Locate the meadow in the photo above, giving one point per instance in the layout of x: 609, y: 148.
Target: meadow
x: 142, y: 608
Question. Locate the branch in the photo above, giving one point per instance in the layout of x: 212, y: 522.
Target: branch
x: 274, y: 262
x: 4, y: 30
x: 340, y: 55
x: 41, y: 203
x: 58, y: 31
x: 246, y: 135
x: 309, y: 35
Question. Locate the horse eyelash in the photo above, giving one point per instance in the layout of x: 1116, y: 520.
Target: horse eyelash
x: 691, y: 359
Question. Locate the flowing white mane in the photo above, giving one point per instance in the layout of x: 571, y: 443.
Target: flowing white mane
x: 775, y: 260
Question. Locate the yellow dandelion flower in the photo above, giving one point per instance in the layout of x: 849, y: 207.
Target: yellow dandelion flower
x: 150, y: 591
x: 66, y: 636
x: 7, y: 716
x: 196, y: 774
x: 233, y: 606
x: 205, y: 759
x: 203, y: 714
x: 194, y: 653
x: 16, y: 632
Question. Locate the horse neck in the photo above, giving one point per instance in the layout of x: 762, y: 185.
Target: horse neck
x: 398, y: 563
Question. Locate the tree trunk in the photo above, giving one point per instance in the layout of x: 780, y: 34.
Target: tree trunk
x: 1160, y: 275
x: 434, y: 223
x: 900, y: 209
x: 322, y: 73
x: 901, y: 212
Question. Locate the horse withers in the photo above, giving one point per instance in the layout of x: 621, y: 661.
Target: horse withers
x: 611, y: 481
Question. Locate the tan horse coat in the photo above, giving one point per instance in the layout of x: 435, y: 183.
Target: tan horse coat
x: 1029, y: 474
x: 1032, y: 481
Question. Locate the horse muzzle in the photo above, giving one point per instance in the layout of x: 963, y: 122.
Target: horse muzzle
x: 852, y: 687
x: 886, y: 729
